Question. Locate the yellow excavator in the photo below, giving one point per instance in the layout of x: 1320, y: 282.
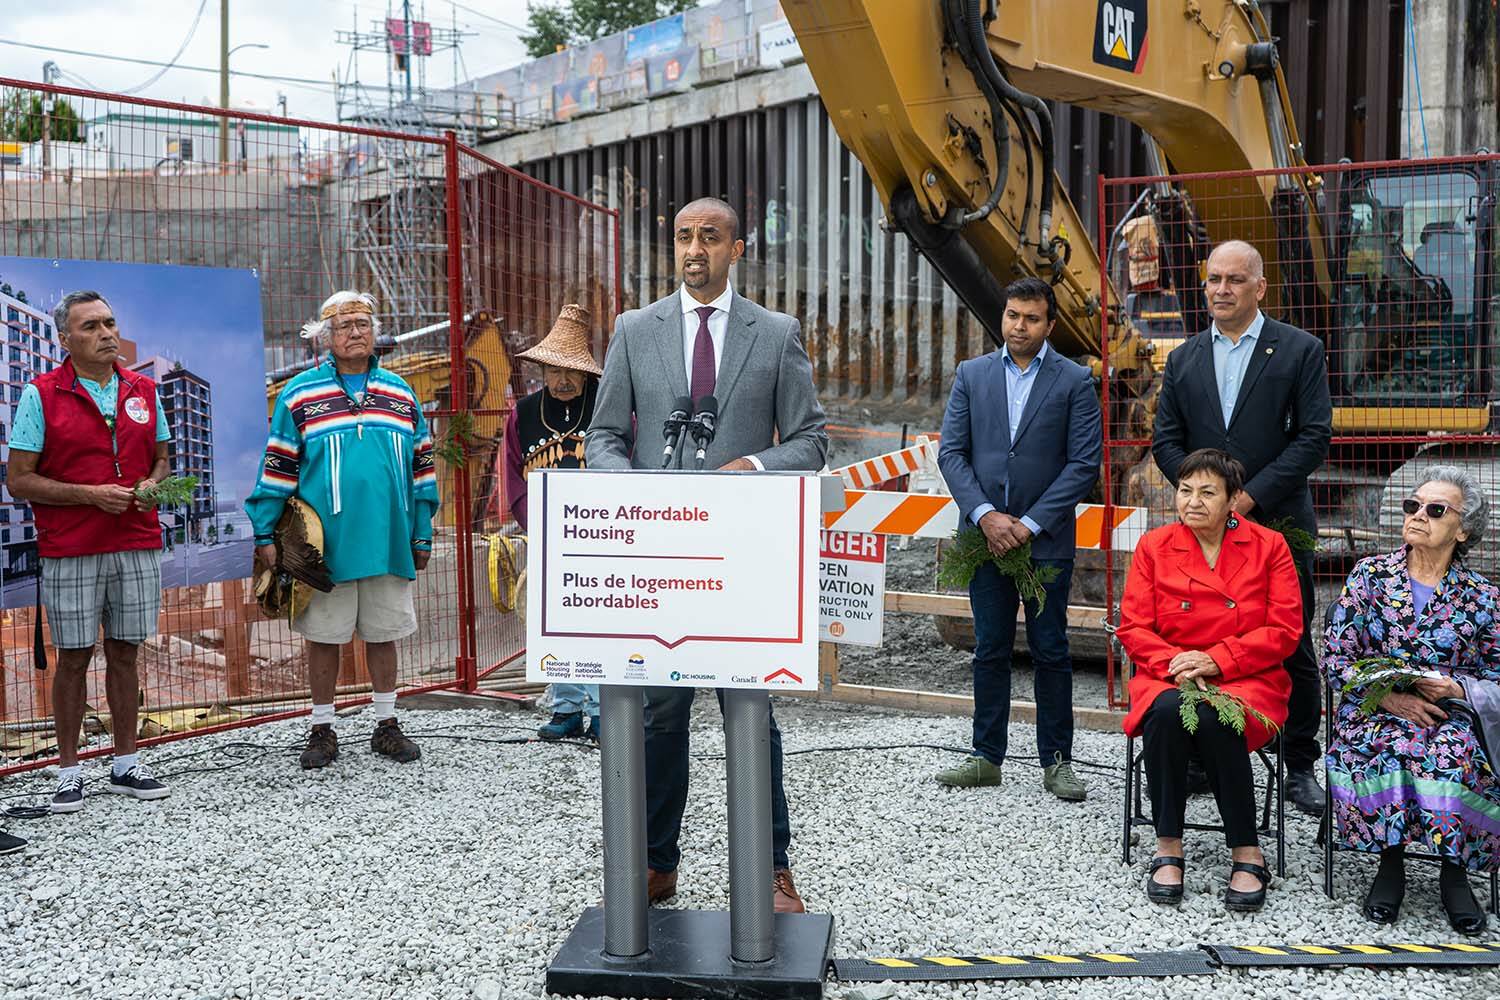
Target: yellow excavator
x: 944, y: 103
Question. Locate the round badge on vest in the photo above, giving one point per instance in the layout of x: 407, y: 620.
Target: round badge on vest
x: 135, y: 409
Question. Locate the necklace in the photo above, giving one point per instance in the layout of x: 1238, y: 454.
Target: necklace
x: 583, y: 397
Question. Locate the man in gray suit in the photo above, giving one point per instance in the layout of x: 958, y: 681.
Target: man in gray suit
x: 704, y: 340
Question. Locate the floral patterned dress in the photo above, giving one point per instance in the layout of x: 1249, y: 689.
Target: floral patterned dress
x: 1391, y: 781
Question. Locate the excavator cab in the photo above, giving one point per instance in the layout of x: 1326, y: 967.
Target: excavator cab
x: 1415, y: 292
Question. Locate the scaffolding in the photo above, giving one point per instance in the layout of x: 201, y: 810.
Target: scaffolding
x: 396, y: 213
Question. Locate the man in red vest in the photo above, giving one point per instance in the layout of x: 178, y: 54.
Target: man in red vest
x: 86, y: 435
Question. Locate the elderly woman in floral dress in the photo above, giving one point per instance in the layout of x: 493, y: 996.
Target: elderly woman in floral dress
x: 1411, y: 773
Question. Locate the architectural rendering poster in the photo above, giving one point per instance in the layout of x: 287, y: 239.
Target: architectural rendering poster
x: 196, y: 332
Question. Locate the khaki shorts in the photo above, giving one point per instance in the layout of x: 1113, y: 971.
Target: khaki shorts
x: 380, y: 607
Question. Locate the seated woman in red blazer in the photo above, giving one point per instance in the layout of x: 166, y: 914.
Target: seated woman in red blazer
x: 1211, y: 599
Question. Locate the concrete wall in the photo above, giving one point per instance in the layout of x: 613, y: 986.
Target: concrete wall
x: 1458, y: 70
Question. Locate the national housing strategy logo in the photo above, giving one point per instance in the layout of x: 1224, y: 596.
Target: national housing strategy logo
x: 553, y: 667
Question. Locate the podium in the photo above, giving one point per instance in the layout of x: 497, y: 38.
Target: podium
x: 626, y: 948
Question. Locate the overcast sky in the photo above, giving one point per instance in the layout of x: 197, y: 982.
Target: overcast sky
x: 300, y: 33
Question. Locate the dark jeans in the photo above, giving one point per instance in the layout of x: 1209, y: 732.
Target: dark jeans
x: 1305, y: 707
x: 667, y: 713
x: 1225, y: 760
x: 994, y: 600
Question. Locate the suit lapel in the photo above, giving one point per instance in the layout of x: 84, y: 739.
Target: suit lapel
x: 1201, y: 371
x: 1195, y: 567
x: 669, y: 343
x: 999, y: 398
x: 739, y: 338
x: 1265, y: 346
x: 1045, y: 380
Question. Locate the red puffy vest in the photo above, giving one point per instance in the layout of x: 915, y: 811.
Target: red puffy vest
x: 78, y: 448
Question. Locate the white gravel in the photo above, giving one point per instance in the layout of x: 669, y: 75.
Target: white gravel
x: 459, y: 876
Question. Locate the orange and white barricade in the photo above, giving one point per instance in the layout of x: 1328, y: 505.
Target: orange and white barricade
x: 920, y: 515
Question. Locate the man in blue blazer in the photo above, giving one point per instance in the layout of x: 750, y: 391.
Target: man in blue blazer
x: 1022, y: 442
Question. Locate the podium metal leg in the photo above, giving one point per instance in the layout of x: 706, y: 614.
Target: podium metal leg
x: 747, y: 750
x: 622, y: 760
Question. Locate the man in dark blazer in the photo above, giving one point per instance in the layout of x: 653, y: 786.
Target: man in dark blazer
x: 1258, y: 389
x: 1021, y: 448
x: 706, y: 339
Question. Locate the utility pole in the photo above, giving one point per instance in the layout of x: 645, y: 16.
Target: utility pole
x: 224, y: 82
x: 49, y: 70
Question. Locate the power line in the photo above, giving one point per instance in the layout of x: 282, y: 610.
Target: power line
x: 192, y: 30
x: 153, y: 62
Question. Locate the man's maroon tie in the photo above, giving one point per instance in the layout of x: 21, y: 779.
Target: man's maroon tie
x: 703, y: 357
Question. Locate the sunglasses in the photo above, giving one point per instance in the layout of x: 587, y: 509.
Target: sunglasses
x: 1434, y: 510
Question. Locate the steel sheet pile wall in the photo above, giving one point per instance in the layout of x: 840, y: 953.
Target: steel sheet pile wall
x: 468, y: 262
x: 1405, y: 300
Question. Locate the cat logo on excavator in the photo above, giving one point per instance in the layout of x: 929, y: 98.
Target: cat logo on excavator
x: 1120, y: 34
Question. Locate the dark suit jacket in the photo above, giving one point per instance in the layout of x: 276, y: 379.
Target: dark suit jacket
x: 1280, y: 427
x: 1053, y: 462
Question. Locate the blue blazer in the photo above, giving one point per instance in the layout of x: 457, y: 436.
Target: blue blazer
x: 1051, y: 466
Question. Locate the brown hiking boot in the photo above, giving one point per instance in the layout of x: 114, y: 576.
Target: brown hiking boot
x: 390, y: 741
x: 322, y: 748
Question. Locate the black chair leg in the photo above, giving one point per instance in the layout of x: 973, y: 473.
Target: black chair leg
x: 1325, y: 830
x: 1281, y: 815
x: 1129, y: 799
x: 1495, y: 893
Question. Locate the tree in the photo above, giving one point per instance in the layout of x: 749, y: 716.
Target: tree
x: 21, y: 119
x: 562, y: 24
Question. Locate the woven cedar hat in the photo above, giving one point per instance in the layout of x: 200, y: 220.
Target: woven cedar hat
x: 567, y: 344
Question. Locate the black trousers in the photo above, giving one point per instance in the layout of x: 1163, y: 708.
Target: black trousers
x: 1225, y: 760
x: 1305, y: 707
x: 668, y: 711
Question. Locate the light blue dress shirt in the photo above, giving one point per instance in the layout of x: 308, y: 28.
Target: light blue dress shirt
x: 1232, y: 360
x: 1018, y: 385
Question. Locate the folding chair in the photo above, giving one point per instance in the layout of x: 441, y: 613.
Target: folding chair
x: 1135, y: 781
x: 1325, y: 831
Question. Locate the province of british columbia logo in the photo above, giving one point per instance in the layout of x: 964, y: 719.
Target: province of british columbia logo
x: 1120, y: 35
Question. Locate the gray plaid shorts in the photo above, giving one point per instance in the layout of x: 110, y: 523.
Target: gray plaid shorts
x: 120, y: 589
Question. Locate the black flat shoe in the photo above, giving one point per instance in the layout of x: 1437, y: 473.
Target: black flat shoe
x: 1247, y: 902
x: 1383, y: 901
x: 1464, y: 912
x: 1167, y: 895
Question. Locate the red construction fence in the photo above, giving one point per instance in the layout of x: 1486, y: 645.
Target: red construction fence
x: 1392, y: 265
x: 469, y: 262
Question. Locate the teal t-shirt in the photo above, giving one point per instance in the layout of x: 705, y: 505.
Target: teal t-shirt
x: 28, y: 431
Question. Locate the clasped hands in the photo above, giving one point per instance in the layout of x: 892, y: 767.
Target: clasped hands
x: 1192, y: 665
x: 1419, y: 706
x: 1003, y: 532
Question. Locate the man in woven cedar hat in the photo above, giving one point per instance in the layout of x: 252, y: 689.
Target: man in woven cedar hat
x: 348, y: 438
x: 545, y: 431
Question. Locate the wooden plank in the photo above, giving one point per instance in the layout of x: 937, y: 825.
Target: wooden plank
x: 1080, y: 616
x: 236, y: 641
x: 942, y: 703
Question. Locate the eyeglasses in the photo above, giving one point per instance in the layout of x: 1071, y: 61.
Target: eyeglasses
x: 362, y: 325
x: 1434, y: 510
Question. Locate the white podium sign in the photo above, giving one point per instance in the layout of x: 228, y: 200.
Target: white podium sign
x: 667, y: 578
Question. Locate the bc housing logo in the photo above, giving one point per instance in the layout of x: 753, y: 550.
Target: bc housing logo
x: 636, y: 660
x: 1120, y: 35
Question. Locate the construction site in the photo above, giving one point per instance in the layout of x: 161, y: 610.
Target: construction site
x: 1351, y: 142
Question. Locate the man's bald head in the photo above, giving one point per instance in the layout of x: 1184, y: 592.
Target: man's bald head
x: 706, y: 243
x: 1244, y: 251
x: 1234, y: 286
x: 712, y: 207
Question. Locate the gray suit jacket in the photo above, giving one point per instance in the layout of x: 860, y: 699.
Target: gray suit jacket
x: 768, y: 407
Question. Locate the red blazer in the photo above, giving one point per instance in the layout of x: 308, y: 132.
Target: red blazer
x: 1246, y: 614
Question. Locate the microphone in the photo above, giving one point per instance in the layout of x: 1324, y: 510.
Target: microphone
x: 703, y: 425
x: 673, y: 427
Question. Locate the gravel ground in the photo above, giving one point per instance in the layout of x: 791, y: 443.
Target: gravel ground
x: 914, y: 657
x: 460, y: 876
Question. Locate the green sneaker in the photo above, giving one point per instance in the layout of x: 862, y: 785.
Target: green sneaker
x: 974, y: 772
x: 1060, y: 780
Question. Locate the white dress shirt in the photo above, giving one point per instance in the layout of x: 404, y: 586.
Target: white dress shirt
x: 718, y: 327
x: 718, y: 330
